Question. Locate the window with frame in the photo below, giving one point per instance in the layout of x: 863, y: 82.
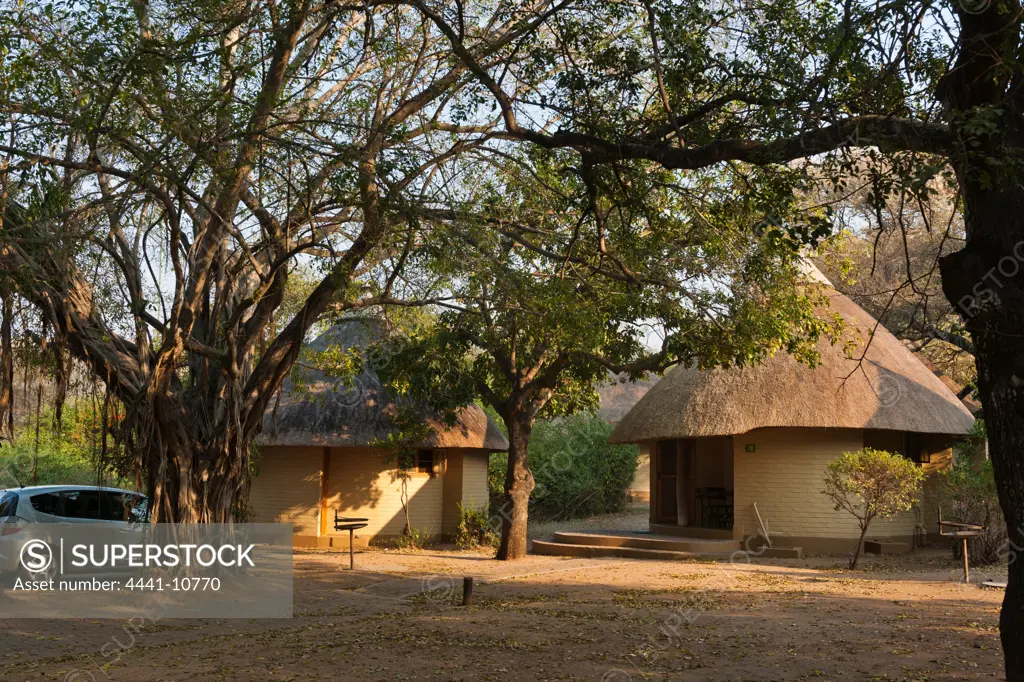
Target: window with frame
x: 915, y: 450
x: 424, y: 462
x: 906, y: 443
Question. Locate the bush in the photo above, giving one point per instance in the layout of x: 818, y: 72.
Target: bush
x: 67, y: 457
x: 872, y: 483
x: 413, y: 538
x: 969, y: 495
x: 474, y: 529
x: 577, y: 472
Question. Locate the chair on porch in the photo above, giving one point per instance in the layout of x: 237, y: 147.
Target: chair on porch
x: 715, y: 507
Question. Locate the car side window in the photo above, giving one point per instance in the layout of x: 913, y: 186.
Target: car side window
x: 122, y: 507
x: 81, y: 504
x: 46, y: 503
x: 140, y: 510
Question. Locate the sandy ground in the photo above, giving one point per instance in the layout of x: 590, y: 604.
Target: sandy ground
x: 397, y: 617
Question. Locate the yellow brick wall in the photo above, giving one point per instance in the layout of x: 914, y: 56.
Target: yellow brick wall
x: 359, y: 485
x: 784, y: 476
x: 465, y: 483
x: 474, y: 479
x: 452, y: 485
x: 286, y: 488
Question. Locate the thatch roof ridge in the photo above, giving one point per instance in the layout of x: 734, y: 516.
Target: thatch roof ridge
x: 890, y: 389
x: 331, y: 412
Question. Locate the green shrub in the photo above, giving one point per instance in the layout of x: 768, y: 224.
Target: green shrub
x: 872, y: 483
x: 577, y: 473
x: 969, y: 495
x: 413, y: 538
x: 66, y: 457
x: 474, y: 529
x: 497, y: 466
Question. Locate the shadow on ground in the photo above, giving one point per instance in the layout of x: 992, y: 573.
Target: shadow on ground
x: 610, y: 620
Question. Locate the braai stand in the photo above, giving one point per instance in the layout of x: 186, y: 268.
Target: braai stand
x: 351, y: 525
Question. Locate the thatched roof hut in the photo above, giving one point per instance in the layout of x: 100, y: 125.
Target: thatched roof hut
x: 882, y: 386
x: 333, y: 412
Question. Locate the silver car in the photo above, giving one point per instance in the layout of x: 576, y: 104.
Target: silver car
x: 63, y: 505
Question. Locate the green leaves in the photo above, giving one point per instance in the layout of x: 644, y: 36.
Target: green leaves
x: 873, y: 483
x: 578, y: 473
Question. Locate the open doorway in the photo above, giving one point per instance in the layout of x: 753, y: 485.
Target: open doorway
x: 692, y: 483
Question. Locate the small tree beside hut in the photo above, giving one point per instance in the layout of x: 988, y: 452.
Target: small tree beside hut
x: 872, y: 483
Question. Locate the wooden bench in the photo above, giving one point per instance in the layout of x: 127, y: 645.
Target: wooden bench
x: 961, y: 531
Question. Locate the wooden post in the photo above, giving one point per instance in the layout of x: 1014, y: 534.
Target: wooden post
x: 967, y: 574
x: 325, y: 474
x: 652, y: 512
x: 682, y: 501
x: 467, y: 591
x: 351, y: 550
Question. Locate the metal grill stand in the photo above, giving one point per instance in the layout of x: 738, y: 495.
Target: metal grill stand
x: 351, y: 525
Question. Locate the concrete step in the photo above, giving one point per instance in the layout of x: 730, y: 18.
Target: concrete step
x: 691, y: 531
x: 780, y: 552
x: 593, y: 551
x: 689, y: 545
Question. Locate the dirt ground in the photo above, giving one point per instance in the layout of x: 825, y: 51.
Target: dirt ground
x: 398, y: 617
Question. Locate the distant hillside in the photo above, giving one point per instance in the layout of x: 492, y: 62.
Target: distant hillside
x: 619, y: 398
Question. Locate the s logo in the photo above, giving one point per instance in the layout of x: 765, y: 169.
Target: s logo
x: 36, y: 556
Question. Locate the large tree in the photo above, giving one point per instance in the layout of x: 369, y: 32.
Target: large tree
x: 175, y: 161
x: 921, y: 87
x: 547, y: 285
x: 887, y: 260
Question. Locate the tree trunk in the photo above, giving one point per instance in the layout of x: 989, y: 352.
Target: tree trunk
x: 1000, y: 364
x: 860, y: 544
x: 196, y: 454
x: 986, y: 283
x: 39, y: 407
x: 62, y: 379
x: 201, y: 485
x: 6, y: 366
x: 404, y: 497
x: 518, y: 486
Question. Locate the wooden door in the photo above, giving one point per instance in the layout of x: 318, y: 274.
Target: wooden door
x: 666, y: 467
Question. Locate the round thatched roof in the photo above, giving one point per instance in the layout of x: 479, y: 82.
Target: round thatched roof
x: 891, y: 389
x: 336, y: 413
